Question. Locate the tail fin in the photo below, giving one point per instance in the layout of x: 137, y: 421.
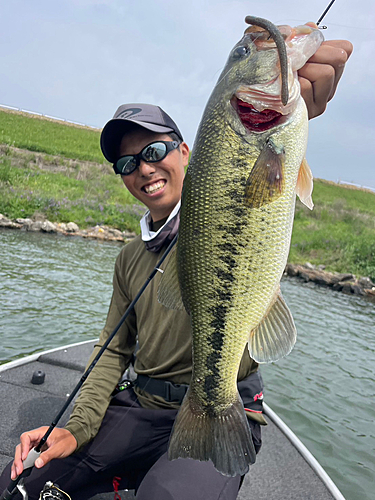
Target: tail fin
x: 224, y: 438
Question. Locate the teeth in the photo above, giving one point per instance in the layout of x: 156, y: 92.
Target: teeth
x: 154, y: 187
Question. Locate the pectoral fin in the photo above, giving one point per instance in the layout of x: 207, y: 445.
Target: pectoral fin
x: 169, y: 292
x: 305, y: 184
x: 275, y: 335
x: 266, y: 180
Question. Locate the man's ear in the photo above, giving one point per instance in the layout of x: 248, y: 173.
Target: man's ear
x: 184, y: 148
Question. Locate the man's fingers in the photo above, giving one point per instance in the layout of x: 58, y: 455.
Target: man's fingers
x: 25, y: 445
x: 17, y: 466
x: 334, y: 53
x: 61, y: 445
x: 317, y: 87
x: 337, y: 57
x: 28, y: 440
x: 320, y: 76
x: 43, y: 460
x: 20, y: 455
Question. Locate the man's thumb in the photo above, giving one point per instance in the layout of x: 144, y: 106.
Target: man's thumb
x: 39, y: 462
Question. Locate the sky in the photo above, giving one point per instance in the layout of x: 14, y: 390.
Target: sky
x: 80, y: 59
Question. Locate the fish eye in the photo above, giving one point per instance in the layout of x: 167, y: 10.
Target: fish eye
x: 240, y: 51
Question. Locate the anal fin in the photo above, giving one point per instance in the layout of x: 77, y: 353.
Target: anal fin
x: 275, y: 335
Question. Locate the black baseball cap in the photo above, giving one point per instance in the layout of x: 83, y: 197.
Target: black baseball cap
x: 146, y: 115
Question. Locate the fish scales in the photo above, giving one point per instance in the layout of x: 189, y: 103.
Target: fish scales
x: 236, y: 222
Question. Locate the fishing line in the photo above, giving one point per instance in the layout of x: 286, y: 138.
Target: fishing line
x: 34, y: 453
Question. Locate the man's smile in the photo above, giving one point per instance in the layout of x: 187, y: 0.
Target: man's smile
x: 154, y: 187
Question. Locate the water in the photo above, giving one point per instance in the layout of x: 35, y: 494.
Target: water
x: 56, y: 290
x: 324, y: 390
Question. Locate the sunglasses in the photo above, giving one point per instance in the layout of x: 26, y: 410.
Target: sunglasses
x: 153, y: 152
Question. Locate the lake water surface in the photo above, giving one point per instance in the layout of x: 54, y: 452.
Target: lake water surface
x: 55, y: 290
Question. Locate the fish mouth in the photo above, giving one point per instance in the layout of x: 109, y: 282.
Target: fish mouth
x: 254, y: 120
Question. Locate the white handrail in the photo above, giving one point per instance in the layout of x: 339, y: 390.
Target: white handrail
x: 47, y: 116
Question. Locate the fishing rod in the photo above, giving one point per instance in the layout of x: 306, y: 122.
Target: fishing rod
x: 28, y: 464
x: 324, y: 13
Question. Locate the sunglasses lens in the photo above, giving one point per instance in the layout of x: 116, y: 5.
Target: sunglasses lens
x: 154, y: 152
x: 126, y: 165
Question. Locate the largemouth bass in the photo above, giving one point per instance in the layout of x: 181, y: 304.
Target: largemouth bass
x: 236, y: 222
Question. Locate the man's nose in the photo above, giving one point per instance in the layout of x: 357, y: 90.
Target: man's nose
x: 146, y: 168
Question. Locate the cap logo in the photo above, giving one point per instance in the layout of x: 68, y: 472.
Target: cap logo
x: 129, y: 112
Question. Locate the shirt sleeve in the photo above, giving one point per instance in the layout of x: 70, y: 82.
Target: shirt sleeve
x: 94, y: 397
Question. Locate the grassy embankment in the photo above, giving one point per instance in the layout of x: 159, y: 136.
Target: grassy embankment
x: 71, y: 181
x: 60, y: 174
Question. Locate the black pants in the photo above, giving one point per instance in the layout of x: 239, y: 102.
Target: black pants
x: 132, y: 444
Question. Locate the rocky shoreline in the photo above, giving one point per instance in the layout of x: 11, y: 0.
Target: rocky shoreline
x: 67, y: 229
x: 341, y: 282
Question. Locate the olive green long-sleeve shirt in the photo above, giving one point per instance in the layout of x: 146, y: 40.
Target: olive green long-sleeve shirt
x: 164, y: 338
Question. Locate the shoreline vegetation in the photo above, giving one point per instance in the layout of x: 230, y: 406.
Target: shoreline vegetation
x: 53, y: 178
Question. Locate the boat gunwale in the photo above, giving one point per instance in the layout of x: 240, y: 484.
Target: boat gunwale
x: 34, y: 357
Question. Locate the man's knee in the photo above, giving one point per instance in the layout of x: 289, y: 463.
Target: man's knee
x: 186, y: 479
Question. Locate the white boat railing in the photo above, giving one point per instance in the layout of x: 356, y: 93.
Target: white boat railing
x: 310, y: 459
x: 34, y: 357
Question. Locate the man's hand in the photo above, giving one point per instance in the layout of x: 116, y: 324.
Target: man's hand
x: 321, y: 74
x: 60, y: 443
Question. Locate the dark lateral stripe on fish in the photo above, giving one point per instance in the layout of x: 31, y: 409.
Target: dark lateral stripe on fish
x: 237, y: 210
x: 216, y: 341
x: 228, y: 259
x: 228, y: 247
x: 210, y: 381
x: 235, y: 229
x: 236, y: 195
x: 224, y: 275
x: 219, y: 312
x: 210, y: 388
x: 224, y: 293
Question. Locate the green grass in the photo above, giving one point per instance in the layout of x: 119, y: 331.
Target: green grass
x: 56, y: 138
x: 87, y: 194
x: 339, y: 232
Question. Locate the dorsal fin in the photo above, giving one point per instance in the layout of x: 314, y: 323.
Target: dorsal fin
x: 169, y: 292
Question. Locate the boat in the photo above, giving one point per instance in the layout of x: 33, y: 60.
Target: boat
x: 284, y: 470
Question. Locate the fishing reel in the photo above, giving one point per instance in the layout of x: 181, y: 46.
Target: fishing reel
x: 53, y: 492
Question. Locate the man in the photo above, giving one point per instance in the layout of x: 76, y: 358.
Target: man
x: 126, y: 434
